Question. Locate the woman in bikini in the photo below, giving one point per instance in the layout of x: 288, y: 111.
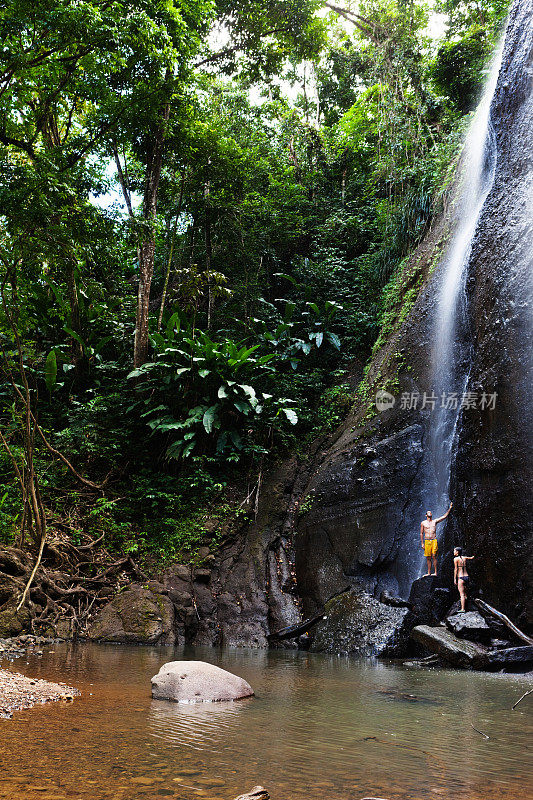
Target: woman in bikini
x: 460, y: 575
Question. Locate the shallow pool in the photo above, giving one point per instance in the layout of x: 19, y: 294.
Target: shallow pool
x: 319, y: 728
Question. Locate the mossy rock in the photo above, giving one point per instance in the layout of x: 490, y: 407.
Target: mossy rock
x: 135, y: 615
x: 13, y: 622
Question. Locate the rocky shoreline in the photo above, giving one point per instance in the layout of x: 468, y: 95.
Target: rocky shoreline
x: 17, y: 646
x: 18, y: 692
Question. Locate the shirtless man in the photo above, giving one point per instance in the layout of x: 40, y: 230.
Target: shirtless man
x: 428, y: 538
x: 460, y: 575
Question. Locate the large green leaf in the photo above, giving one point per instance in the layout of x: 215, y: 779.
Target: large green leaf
x: 249, y: 391
x: 334, y: 339
x: 173, y: 325
x: 209, y: 418
x: 242, y: 406
x: 291, y: 415
x: 74, y: 335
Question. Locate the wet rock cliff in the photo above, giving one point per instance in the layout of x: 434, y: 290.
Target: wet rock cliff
x: 371, y: 488
x: 492, y: 473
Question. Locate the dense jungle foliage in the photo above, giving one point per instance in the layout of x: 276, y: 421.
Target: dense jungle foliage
x: 201, y: 205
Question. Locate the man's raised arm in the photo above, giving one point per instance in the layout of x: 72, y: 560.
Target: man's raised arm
x: 439, y: 519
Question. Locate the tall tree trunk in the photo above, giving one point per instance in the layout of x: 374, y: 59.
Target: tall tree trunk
x: 147, y: 248
x: 208, y: 251
x: 171, y: 253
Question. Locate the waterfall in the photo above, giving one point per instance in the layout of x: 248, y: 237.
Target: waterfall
x: 451, y: 349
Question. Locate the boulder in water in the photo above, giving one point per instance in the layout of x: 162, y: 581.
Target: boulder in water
x: 358, y: 624
x: 257, y: 793
x: 511, y: 658
x: 456, y: 651
x: 197, y: 682
x: 135, y: 615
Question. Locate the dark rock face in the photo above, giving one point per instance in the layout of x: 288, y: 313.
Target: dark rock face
x: 429, y: 600
x: 135, y: 615
x: 469, y: 626
x: 355, y: 529
x: 359, y: 625
x: 252, y: 588
x: 492, y: 477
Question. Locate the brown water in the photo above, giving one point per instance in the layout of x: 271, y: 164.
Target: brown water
x: 320, y: 728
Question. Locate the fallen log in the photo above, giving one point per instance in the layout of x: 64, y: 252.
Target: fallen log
x: 396, y: 602
x: 257, y: 793
x: 292, y: 631
x: 493, y: 612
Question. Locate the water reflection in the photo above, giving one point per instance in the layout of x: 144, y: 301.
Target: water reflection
x: 199, y: 725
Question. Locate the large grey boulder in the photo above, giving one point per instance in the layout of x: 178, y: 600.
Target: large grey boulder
x: 445, y: 644
x: 135, y: 615
x: 197, y: 682
x: 358, y: 624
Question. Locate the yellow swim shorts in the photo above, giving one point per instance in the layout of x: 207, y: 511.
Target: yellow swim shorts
x: 430, y: 547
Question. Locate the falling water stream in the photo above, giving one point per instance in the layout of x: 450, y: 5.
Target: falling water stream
x: 451, y: 353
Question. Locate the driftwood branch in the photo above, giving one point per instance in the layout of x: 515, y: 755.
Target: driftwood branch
x: 503, y: 618
x: 292, y: 631
x: 33, y: 572
x: 480, y: 732
x: 257, y: 793
x: 529, y: 691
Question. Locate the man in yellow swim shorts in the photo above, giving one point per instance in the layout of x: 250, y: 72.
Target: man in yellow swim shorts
x: 428, y: 538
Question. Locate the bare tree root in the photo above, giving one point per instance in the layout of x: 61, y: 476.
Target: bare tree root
x: 34, y: 570
x: 61, y: 584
